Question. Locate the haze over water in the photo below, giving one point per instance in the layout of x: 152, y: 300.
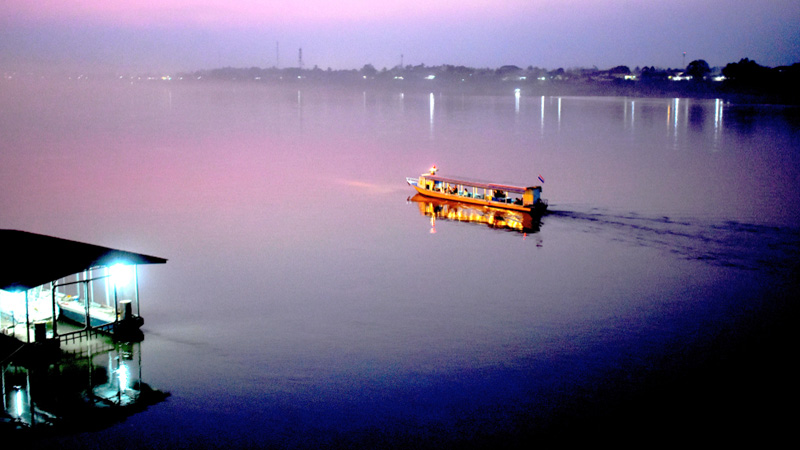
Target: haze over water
x: 307, y: 302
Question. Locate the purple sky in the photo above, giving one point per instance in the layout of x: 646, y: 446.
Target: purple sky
x: 170, y: 35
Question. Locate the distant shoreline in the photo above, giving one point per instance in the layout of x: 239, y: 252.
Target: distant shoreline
x: 743, y: 82
x: 779, y: 93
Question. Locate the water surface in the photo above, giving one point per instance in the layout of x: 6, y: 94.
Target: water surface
x: 308, y: 302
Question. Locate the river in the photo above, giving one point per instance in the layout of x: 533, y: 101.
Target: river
x: 309, y: 302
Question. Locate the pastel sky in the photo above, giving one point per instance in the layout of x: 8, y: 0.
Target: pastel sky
x: 172, y: 35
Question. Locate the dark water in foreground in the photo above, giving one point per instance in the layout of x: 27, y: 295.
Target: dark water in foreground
x: 309, y: 302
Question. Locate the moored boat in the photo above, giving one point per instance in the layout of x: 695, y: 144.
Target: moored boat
x: 518, y: 198
x: 75, y: 311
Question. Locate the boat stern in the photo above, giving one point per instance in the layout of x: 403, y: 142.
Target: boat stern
x: 532, y: 196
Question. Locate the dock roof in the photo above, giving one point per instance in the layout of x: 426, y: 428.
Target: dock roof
x: 34, y: 259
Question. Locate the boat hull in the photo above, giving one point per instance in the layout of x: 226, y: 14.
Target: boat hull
x: 539, y: 208
x: 77, y: 314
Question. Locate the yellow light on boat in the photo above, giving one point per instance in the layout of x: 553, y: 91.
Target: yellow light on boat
x: 434, y: 169
x: 121, y: 274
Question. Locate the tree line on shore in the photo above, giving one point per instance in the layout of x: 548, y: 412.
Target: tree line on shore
x: 744, y: 78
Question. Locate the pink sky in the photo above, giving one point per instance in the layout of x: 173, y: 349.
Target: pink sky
x: 201, y: 34
x: 252, y: 12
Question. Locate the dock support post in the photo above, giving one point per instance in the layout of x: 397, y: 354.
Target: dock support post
x: 127, y: 310
x: 136, y: 289
x: 27, y: 319
x: 55, y: 315
x: 40, y: 332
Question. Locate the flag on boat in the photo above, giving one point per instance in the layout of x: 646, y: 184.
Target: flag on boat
x: 541, y: 179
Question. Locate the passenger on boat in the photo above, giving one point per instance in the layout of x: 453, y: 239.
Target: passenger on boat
x: 452, y: 190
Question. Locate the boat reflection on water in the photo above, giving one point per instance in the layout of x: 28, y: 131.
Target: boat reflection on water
x: 499, y: 219
x: 91, y: 386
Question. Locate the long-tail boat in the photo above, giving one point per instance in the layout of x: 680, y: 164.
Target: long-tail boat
x: 517, y: 198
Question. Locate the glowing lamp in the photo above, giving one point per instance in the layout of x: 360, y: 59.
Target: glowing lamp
x: 123, y: 374
x: 121, y: 274
x: 18, y: 401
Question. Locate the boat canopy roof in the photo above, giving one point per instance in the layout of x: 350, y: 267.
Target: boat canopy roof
x: 479, y: 184
x: 34, y: 259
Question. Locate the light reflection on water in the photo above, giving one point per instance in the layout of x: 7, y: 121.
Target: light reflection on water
x: 92, y: 385
x: 305, y: 300
x: 499, y: 219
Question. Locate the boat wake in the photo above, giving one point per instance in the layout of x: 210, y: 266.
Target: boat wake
x: 724, y: 243
x: 372, y: 187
